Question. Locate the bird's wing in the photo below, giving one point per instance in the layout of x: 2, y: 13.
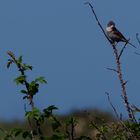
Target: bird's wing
x: 119, y: 34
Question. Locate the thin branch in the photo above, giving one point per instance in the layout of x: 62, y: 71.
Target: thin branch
x: 119, y: 116
x: 97, y: 20
x: 137, y: 53
x: 67, y: 132
x: 114, y: 109
x: 30, y: 124
x: 136, y: 108
x: 132, y: 112
x: 72, y: 130
x: 112, y: 70
x: 137, y: 37
x: 98, y: 129
x: 122, y: 50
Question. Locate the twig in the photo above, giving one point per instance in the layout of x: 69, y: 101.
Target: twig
x: 98, y: 21
x: 30, y: 124
x: 133, y: 115
x: 72, y: 130
x: 112, y: 70
x: 117, y: 58
x: 67, y: 132
x: 137, y: 53
x: 122, y: 50
x: 135, y: 109
x: 137, y: 37
x: 97, y: 128
x: 114, y: 109
x: 119, y: 116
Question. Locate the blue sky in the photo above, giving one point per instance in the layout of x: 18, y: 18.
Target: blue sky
x: 63, y: 43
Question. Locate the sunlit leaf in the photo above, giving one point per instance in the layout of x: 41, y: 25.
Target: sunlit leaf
x: 40, y: 79
x: 20, y: 80
x: 27, y: 67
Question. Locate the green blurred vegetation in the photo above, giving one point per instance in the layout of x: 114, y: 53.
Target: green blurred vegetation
x: 82, y: 128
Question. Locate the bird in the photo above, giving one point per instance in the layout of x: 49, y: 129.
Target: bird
x: 115, y: 35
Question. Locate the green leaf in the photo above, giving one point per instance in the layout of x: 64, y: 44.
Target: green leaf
x: 104, y: 129
x: 23, y: 91
x: 48, y: 111
x: 52, y: 107
x: 16, y: 131
x: 26, y: 134
x: 27, y: 67
x: 25, y: 97
x: 20, y: 80
x: 55, y: 125
x: 20, y: 59
x: 93, y: 125
x: 33, y: 88
x: 72, y: 120
x: 41, y: 80
x: 9, y: 63
x: 35, y: 114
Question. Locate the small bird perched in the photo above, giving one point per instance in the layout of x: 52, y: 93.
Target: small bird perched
x: 115, y: 35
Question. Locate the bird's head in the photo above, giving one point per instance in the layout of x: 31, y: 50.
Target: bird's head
x: 110, y: 26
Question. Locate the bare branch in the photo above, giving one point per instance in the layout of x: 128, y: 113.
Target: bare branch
x: 137, y: 37
x: 136, y: 108
x: 122, y: 50
x: 114, y: 109
x: 112, y: 70
x: 137, y: 53
x: 97, y: 20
